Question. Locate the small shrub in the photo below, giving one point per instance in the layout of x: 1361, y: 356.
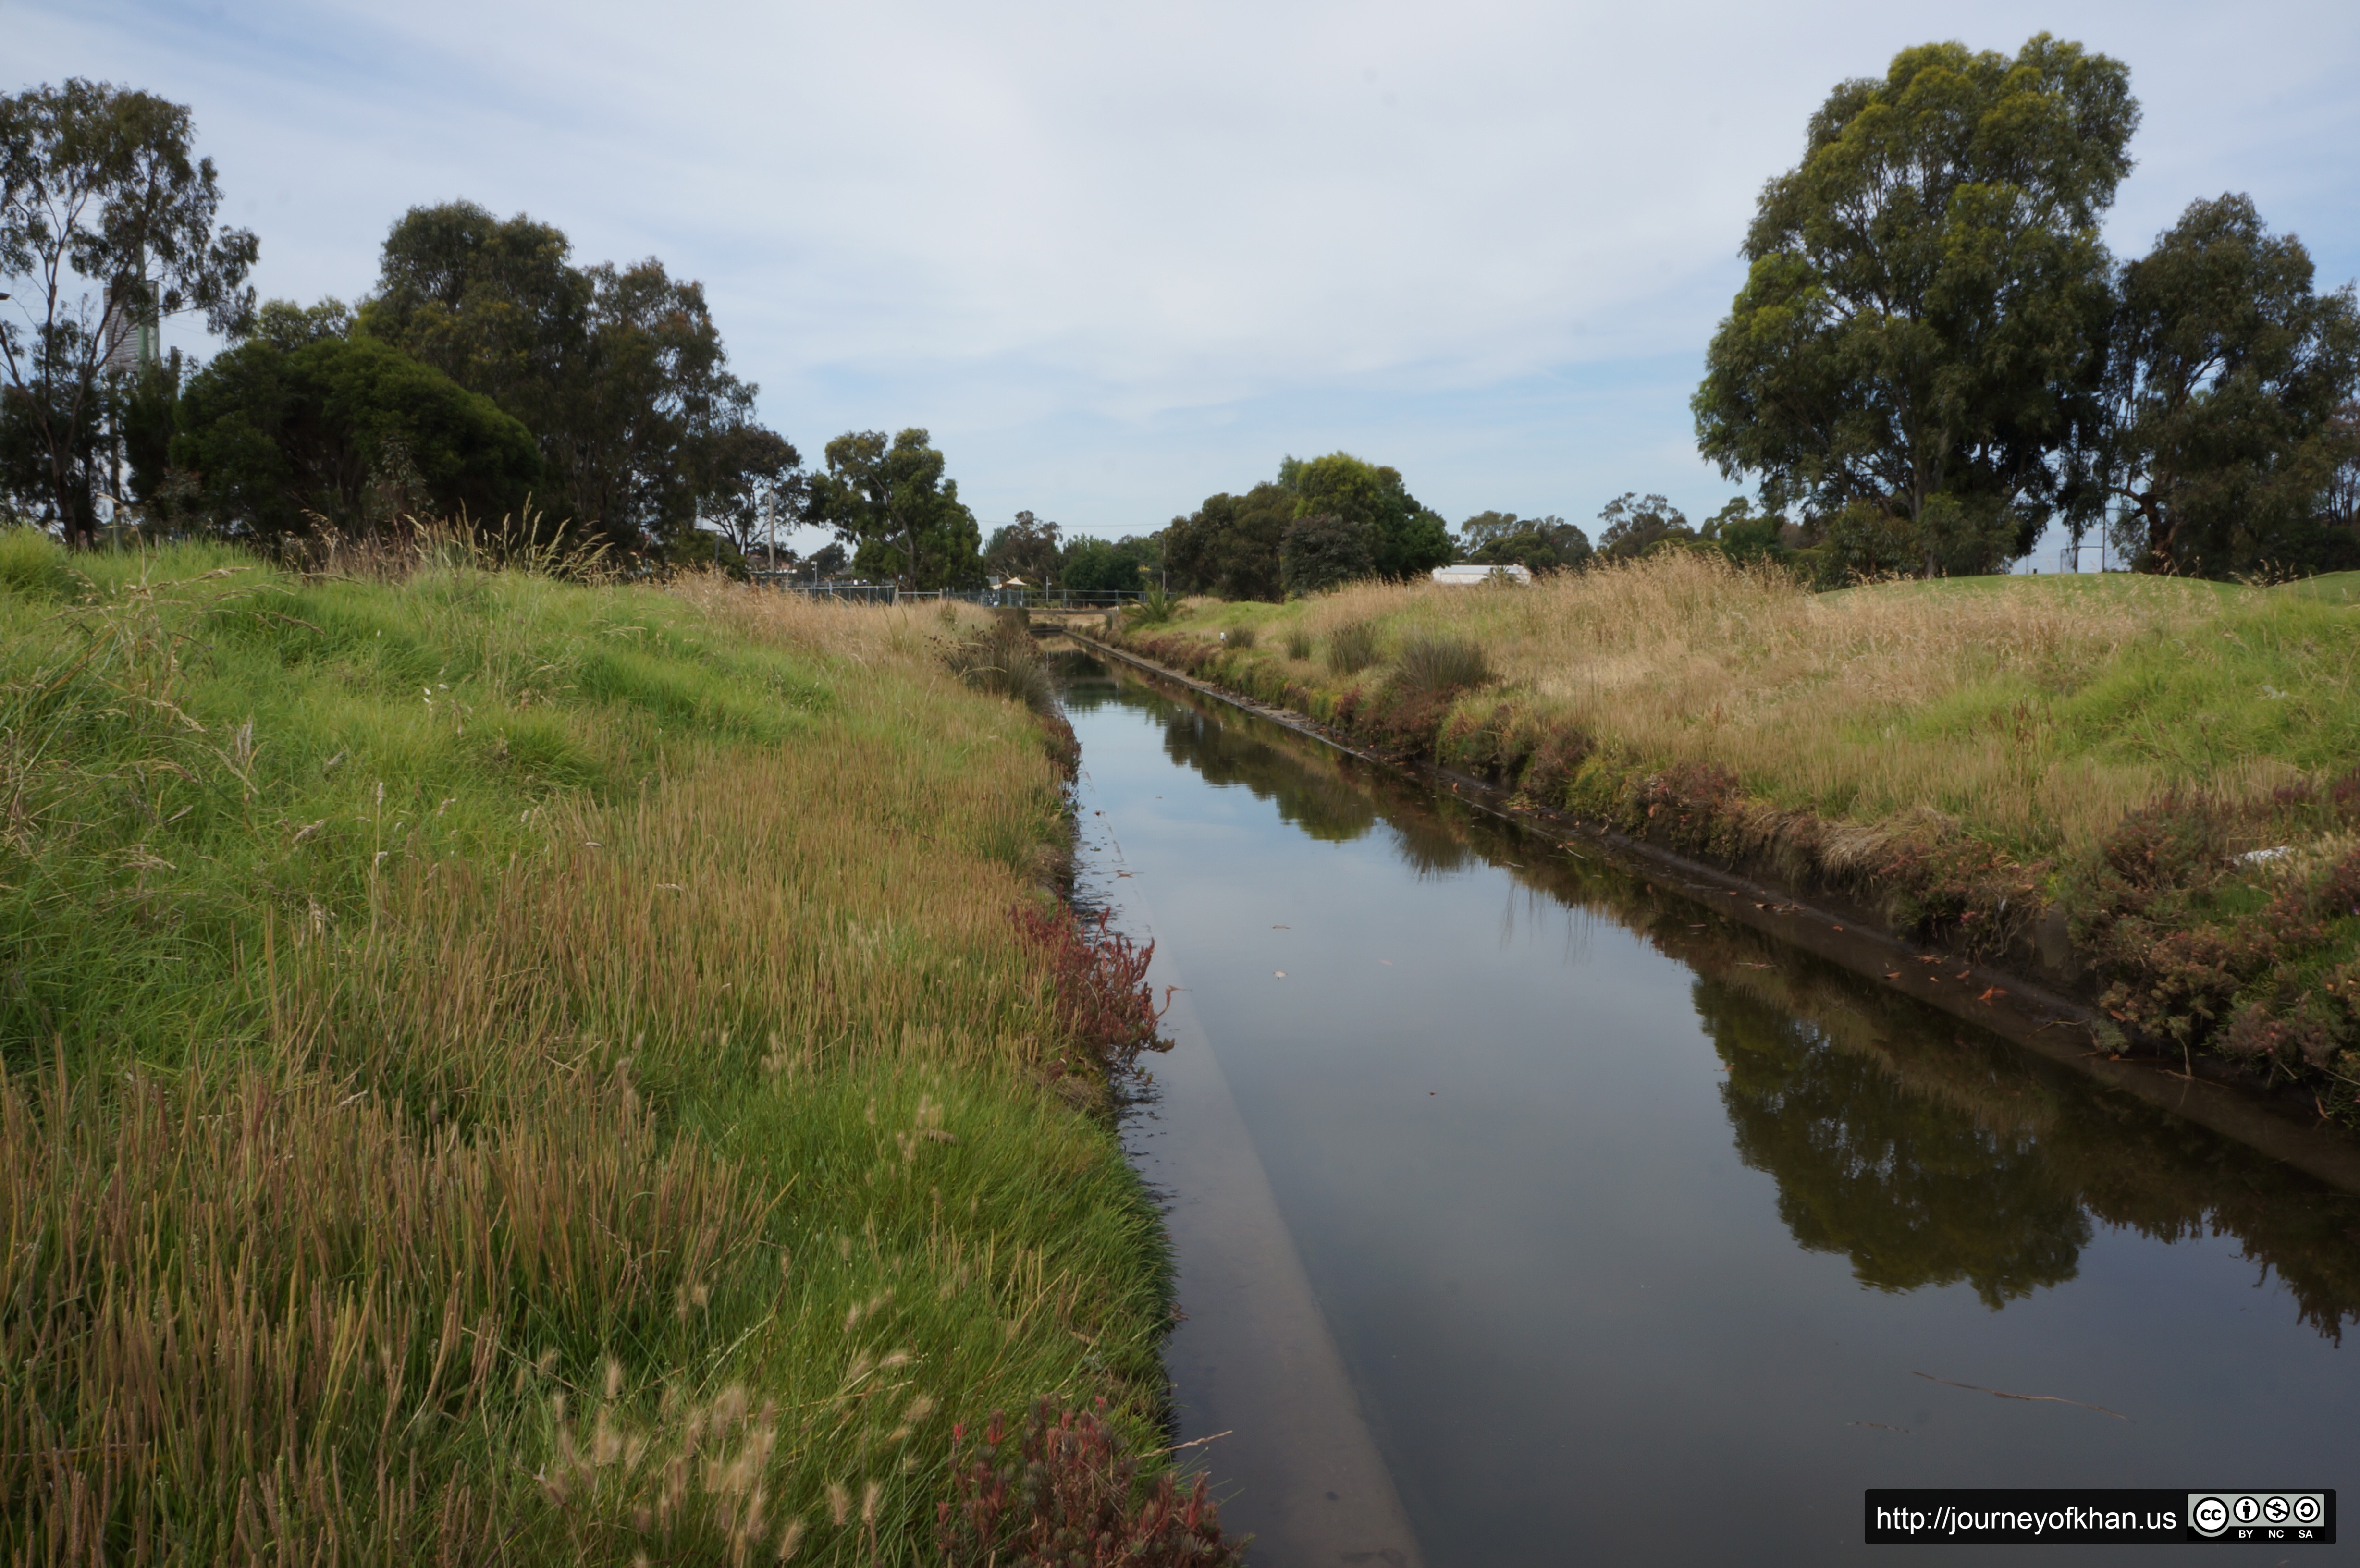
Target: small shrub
x: 1437, y: 664
x: 1004, y: 658
x: 1239, y: 636
x: 1352, y: 647
x: 1298, y: 643
x: 1065, y: 1491
x: 1103, y: 1001
x: 1155, y: 606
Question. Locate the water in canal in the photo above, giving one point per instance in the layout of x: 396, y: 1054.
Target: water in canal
x: 1528, y: 1212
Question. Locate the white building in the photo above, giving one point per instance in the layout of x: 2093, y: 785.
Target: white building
x: 1472, y: 575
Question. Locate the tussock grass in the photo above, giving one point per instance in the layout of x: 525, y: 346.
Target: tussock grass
x: 1439, y: 664
x: 494, y: 1066
x: 1351, y: 647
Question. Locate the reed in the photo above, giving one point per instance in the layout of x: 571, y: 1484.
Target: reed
x: 497, y: 1066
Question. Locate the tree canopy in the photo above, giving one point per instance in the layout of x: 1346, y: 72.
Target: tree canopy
x: 348, y: 430
x: 1025, y: 547
x: 1351, y: 515
x: 2228, y: 390
x: 1918, y: 341
x: 891, y: 504
x: 1635, y: 524
x: 1229, y: 545
x: 618, y: 372
x: 1407, y: 540
x: 1326, y: 549
x: 106, y: 226
x: 1109, y: 566
x: 1537, y: 544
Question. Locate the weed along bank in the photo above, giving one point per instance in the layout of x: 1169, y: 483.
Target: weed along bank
x: 503, y: 1068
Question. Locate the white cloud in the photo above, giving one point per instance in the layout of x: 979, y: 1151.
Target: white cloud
x: 1117, y: 256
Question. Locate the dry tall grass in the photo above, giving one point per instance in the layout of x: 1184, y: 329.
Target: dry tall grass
x: 2005, y: 705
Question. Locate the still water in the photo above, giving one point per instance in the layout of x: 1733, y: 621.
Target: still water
x: 1529, y: 1212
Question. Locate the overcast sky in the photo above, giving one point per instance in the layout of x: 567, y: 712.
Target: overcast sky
x: 1118, y: 256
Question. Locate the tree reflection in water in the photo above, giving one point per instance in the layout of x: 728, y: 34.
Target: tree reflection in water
x: 1915, y: 1191
x: 1925, y: 1152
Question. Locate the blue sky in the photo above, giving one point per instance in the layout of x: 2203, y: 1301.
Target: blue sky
x: 1118, y: 256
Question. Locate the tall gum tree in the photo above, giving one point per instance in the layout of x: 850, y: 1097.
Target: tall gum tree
x: 890, y: 502
x: 618, y: 372
x: 107, y: 218
x: 1916, y: 352
x: 2229, y: 387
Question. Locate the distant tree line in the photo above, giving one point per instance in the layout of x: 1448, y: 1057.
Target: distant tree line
x: 486, y: 376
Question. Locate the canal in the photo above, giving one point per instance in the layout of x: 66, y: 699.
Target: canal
x: 1528, y: 1212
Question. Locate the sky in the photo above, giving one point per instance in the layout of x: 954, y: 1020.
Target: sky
x: 1116, y: 257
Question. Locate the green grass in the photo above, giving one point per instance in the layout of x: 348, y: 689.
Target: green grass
x: 480, y: 1047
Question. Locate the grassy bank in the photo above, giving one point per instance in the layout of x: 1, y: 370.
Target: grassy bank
x: 2144, y: 787
x: 505, y: 1070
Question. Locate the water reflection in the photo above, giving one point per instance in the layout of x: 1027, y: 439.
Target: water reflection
x: 1924, y: 1153
x: 1914, y: 1191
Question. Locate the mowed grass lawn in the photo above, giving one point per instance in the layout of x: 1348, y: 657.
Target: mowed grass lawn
x: 500, y: 1069
x: 2171, y: 764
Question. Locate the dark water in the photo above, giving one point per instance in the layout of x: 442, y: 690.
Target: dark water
x: 1631, y: 1232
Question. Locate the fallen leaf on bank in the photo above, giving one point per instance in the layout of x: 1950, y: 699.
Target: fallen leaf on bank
x: 1892, y: 975
x: 1990, y: 992
x: 1837, y: 928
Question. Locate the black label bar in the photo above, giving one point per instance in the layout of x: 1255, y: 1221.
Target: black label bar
x: 2090, y: 1516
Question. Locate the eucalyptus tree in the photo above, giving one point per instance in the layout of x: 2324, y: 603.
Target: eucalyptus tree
x: 1915, y: 356
x: 890, y: 502
x: 1229, y: 545
x: 2229, y: 384
x: 1407, y: 538
x: 106, y: 226
x: 1028, y: 548
x: 1538, y: 544
x: 619, y: 372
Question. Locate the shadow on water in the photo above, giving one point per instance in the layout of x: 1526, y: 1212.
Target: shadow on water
x: 1923, y: 1152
